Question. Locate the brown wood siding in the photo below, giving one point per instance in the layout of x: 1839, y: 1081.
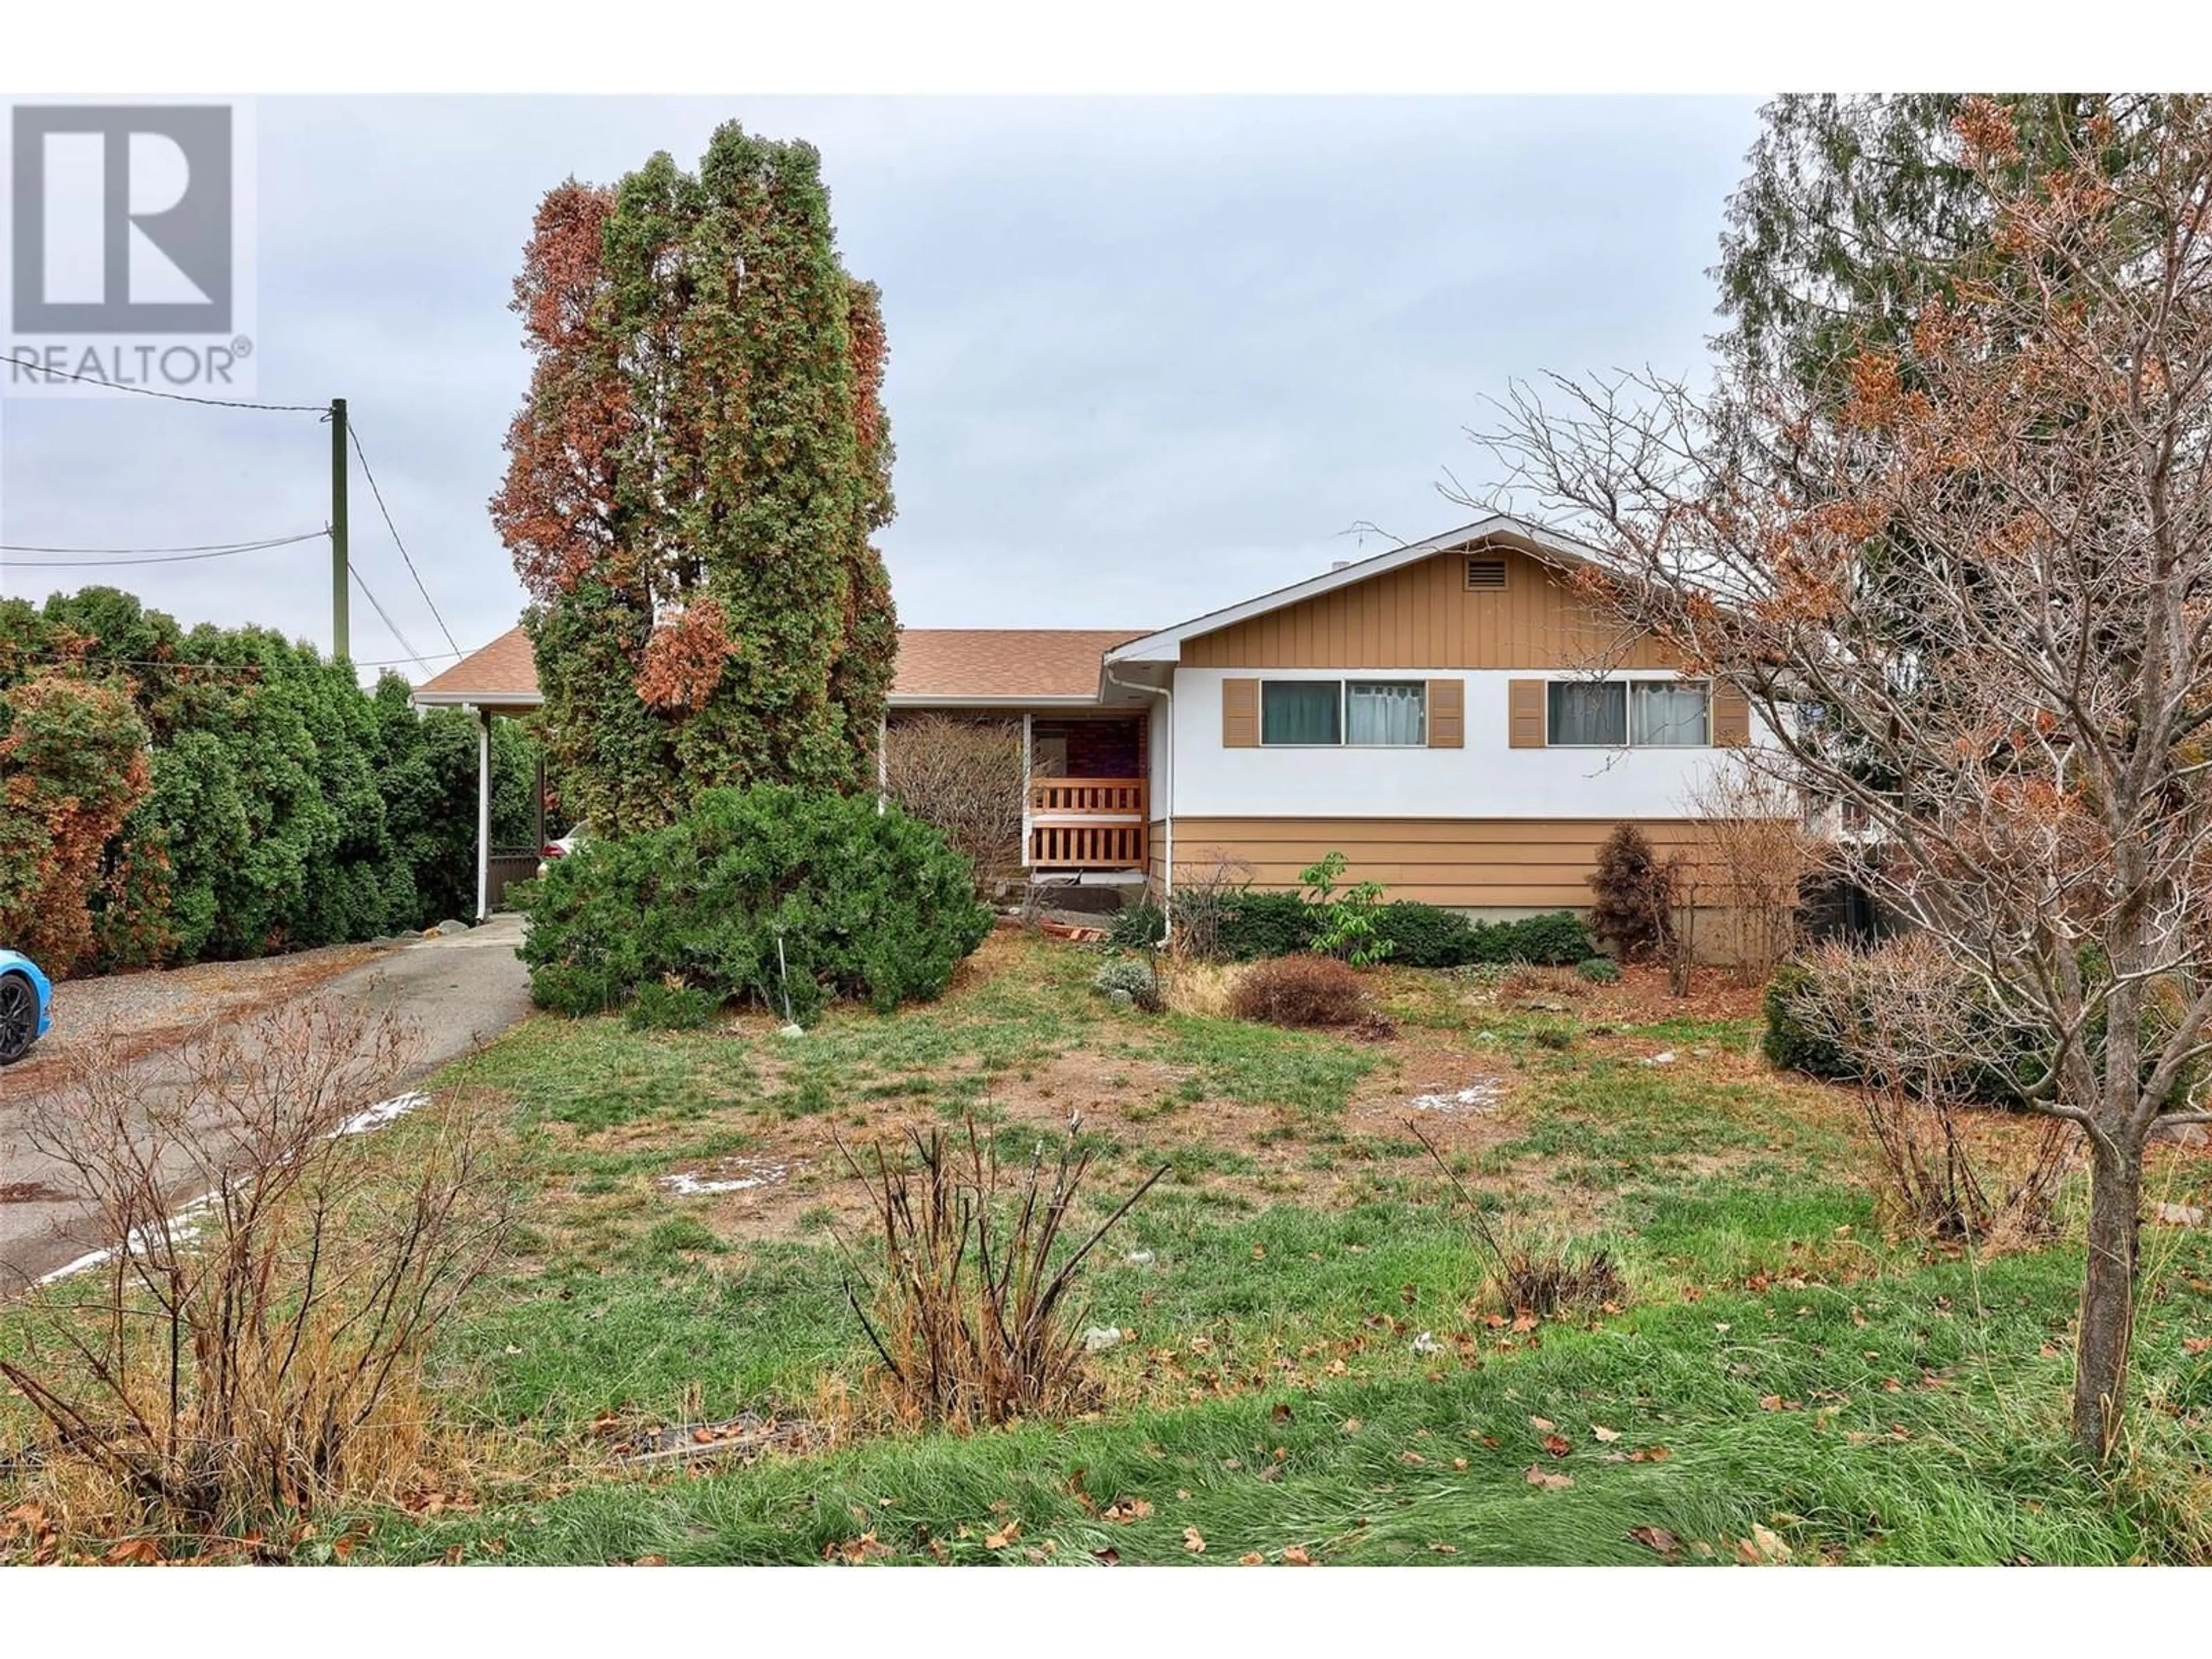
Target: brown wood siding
x: 1423, y: 616
x: 1469, y: 863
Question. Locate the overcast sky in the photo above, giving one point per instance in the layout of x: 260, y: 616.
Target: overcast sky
x: 1147, y: 358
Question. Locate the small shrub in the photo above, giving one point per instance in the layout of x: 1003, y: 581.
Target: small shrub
x: 1300, y: 991
x: 1558, y: 939
x: 973, y: 1310
x: 1634, y: 911
x: 782, y: 896
x: 965, y: 776
x: 660, y: 1006
x: 1130, y: 977
x: 1426, y: 935
x: 1137, y: 926
x: 1256, y: 926
x: 1201, y: 989
x: 1204, y: 896
x: 1791, y: 1041
x: 1541, y: 1275
x: 1599, y: 970
x: 1346, y: 921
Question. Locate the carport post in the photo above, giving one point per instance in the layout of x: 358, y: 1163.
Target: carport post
x: 483, y: 813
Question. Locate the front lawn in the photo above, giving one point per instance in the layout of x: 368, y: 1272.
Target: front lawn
x: 1310, y: 1369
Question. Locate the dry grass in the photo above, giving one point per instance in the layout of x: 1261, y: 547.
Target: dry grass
x: 1203, y: 990
x: 973, y: 1315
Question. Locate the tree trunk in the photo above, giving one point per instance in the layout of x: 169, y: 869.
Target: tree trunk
x: 2108, y: 1294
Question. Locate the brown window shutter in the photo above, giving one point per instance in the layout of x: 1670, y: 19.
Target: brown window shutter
x: 1240, y: 713
x: 1524, y: 707
x: 1731, y: 717
x: 1447, y: 713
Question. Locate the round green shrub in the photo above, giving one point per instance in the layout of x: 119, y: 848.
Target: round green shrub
x: 1426, y: 935
x: 1260, y: 925
x: 1137, y: 926
x: 1130, y: 977
x: 1598, y: 970
x: 864, y: 902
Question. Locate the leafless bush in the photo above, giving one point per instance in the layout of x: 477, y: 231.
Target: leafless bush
x: 1910, y: 1019
x: 1533, y: 1277
x: 972, y: 1312
x: 1750, y: 856
x: 964, y: 776
x: 1205, y: 887
x: 1305, y: 990
x: 240, y: 1362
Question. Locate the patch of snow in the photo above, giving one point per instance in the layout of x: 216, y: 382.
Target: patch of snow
x: 183, y: 1228
x: 1426, y: 1343
x: 1099, y: 1338
x: 2178, y: 1215
x: 1666, y: 1058
x: 1138, y: 1258
x: 1479, y: 1096
x: 384, y: 1112
x: 690, y: 1183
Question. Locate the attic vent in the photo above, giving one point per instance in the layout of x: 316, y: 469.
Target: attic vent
x: 1486, y: 575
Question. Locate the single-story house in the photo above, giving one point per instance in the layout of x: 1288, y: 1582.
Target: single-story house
x: 1454, y: 715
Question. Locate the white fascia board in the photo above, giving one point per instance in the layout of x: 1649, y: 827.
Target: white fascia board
x: 495, y: 701
x: 1166, y: 646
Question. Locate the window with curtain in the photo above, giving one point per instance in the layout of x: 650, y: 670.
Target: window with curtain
x: 1586, y: 713
x: 1301, y: 711
x: 1385, y: 711
x: 1668, y: 714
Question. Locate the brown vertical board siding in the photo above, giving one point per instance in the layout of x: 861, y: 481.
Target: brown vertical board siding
x: 1422, y: 615
x: 1731, y: 717
x: 1469, y: 863
x: 1524, y: 713
x: 1447, y: 713
x: 1240, y: 713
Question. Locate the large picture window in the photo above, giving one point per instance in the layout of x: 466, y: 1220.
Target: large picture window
x: 1628, y: 713
x: 1358, y: 714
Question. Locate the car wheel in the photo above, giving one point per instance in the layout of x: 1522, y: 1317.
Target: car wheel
x: 19, y: 1018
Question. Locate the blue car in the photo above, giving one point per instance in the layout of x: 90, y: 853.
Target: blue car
x: 27, y: 1001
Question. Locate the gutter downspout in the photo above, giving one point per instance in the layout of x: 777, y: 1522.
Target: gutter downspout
x: 1166, y: 695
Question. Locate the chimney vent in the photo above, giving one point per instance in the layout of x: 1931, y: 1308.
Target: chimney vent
x: 1340, y: 564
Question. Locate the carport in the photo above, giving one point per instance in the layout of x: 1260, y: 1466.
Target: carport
x: 500, y: 680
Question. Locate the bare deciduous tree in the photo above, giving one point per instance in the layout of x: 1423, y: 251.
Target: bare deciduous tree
x: 964, y: 776
x: 1970, y: 588
x: 255, y: 1354
x: 1751, y: 852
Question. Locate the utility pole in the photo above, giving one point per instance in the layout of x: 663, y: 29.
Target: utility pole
x: 341, y: 642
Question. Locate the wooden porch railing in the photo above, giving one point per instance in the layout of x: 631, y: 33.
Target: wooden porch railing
x: 1089, y: 823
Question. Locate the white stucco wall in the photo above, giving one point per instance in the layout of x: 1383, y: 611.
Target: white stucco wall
x: 1484, y: 780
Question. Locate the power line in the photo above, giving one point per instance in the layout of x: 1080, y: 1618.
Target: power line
x: 147, y: 554
x: 375, y: 605
x: 172, y: 397
x: 353, y: 431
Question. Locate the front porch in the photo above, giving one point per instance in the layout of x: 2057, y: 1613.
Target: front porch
x: 1087, y: 806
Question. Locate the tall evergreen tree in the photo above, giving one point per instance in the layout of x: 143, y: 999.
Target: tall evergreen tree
x: 693, y: 481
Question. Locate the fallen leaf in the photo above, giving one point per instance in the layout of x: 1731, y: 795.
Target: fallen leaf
x: 1411, y: 1459
x: 650, y: 1561
x: 1762, y: 1549
x: 2196, y: 1345
x: 1251, y: 1558
x: 1194, y: 1541
x: 1657, y: 1540
x: 1459, y: 1462
x: 1608, y: 1436
x: 998, y: 1541
x: 134, y: 1552
x: 1542, y: 1425
x: 1545, y: 1478
x: 1557, y: 1444
x: 1126, y: 1509
x: 1443, y: 1549
x: 1295, y: 1556
x: 1350, y: 1426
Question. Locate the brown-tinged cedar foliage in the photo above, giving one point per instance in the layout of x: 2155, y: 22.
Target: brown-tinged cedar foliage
x: 1962, y: 568
x: 693, y: 480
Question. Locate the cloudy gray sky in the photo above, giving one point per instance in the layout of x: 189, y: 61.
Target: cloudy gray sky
x: 1147, y: 357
